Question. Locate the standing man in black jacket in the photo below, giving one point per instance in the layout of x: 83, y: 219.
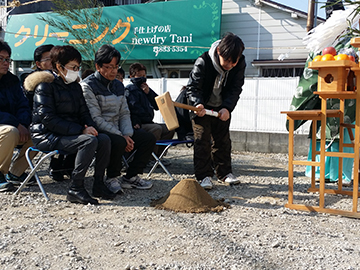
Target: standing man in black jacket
x: 215, y: 83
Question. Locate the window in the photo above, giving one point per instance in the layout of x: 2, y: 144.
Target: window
x: 281, y: 71
x: 274, y: 68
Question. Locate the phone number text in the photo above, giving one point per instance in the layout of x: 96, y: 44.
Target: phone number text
x: 167, y: 49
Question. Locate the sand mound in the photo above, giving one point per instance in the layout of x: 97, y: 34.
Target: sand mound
x: 189, y: 197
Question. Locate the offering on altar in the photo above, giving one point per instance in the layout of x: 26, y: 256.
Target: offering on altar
x: 332, y: 74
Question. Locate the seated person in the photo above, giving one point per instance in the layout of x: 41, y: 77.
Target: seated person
x: 120, y: 74
x: 62, y: 165
x: 42, y: 62
x: 61, y: 121
x: 105, y: 98
x: 141, y: 102
x: 15, y: 118
x: 86, y: 73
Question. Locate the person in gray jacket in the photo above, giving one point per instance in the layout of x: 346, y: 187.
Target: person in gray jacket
x: 108, y: 107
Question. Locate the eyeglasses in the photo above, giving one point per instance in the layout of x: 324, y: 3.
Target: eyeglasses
x: 3, y: 60
x: 111, y: 67
x: 45, y: 60
x: 74, y: 68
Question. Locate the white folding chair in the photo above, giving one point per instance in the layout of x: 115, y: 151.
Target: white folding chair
x: 167, y: 144
x: 34, y: 166
x: 127, y: 159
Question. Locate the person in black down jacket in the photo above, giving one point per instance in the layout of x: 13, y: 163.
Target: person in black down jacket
x: 62, y: 165
x: 215, y: 83
x: 61, y: 121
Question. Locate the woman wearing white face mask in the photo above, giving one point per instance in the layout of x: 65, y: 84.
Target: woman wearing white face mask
x: 61, y: 121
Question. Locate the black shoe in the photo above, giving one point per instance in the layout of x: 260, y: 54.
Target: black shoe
x: 5, y: 185
x: 80, y: 196
x: 17, y: 180
x: 100, y: 190
x: 57, y: 175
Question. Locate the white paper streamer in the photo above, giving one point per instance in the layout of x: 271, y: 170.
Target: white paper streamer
x: 327, y: 33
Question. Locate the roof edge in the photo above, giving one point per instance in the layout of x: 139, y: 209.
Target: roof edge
x: 287, y: 9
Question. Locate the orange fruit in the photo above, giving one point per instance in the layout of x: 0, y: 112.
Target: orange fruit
x: 352, y: 58
x: 327, y: 57
x: 341, y: 57
x: 317, y: 58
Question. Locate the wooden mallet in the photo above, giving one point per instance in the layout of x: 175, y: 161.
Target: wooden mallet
x: 167, y: 110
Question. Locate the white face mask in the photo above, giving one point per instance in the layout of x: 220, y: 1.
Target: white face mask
x: 71, y: 76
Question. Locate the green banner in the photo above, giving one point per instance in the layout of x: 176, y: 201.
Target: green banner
x: 162, y: 30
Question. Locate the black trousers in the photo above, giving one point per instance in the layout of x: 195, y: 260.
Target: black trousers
x: 144, y: 144
x: 86, y: 147
x: 212, y: 147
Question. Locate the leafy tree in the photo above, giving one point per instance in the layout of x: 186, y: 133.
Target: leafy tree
x: 83, y: 20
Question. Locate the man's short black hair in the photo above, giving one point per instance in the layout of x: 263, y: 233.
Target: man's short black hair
x: 231, y: 47
x: 4, y: 46
x: 40, y: 50
x: 105, y: 54
x: 136, y: 67
x: 121, y: 71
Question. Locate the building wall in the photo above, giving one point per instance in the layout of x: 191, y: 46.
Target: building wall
x: 266, y: 31
x: 42, y: 6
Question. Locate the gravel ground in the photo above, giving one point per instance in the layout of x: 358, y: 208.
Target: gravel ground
x: 256, y: 232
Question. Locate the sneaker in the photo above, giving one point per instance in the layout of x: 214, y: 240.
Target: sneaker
x: 114, y: 184
x: 327, y: 180
x: 100, y: 190
x: 5, y: 185
x: 206, y: 183
x: 230, y: 179
x: 136, y: 182
x: 346, y: 183
x: 17, y: 180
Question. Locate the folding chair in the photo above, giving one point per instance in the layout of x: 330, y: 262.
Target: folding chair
x: 127, y: 158
x: 35, y: 167
x: 167, y: 144
x: 17, y: 153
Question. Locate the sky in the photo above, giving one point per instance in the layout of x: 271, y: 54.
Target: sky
x: 303, y: 5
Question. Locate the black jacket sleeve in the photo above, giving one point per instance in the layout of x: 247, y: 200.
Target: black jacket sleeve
x: 47, y: 113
